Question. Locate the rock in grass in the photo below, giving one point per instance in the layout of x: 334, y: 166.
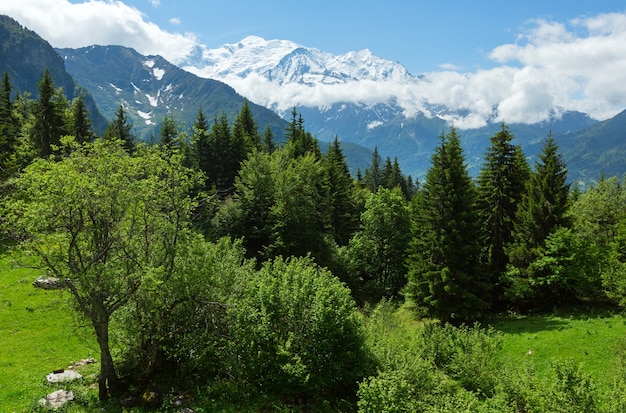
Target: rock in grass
x: 57, y: 399
x: 59, y: 376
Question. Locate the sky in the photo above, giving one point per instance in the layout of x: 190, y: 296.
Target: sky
x: 531, y: 53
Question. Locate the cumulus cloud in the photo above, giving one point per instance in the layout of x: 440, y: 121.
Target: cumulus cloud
x: 552, y: 67
x: 575, y: 65
x: 102, y: 22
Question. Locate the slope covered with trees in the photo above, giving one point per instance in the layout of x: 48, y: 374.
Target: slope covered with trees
x: 226, y: 254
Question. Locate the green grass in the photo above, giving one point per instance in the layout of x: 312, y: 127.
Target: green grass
x: 37, y: 335
x: 588, y: 338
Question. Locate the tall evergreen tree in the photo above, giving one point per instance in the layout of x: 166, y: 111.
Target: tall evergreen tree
x: 119, y: 128
x: 374, y: 172
x: 444, y: 267
x: 49, y: 120
x: 201, y: 141
x: 501, y: 184
x: 8, y: 129
x: 542, y: 211
x: 299, y: 141
x: 168, y: 134
x: 344, y: 215
x: 246, y: 130
x: 268, y: 144
x: 81, y: 122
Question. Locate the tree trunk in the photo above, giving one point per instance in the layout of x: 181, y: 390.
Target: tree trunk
x: 108, y: 382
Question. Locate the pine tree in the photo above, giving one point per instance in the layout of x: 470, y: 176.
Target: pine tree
x: 374, y: 172
x: 246, y: 130
x: 299, y: 141
x: 268, y: 144
x: 445, y: 276
x: 168, y: 134
x: 120, y: 129
x: 542, y: 211
x: 81, y: 123
x: 343, y: 211
x: 49, y: 120
x: 8, y: 129
x: 201, y: 141
x: 501, y: 183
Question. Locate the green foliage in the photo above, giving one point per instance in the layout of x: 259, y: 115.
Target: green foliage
x: 49, y: 117
x: 180, y: 324
x: 119, y: 128
x: 377, y: 251
x: 295, y: 330
x: 104, y: 222
x: 445, y: 276
x: 469, y: 355
x: 501, y: 184
x: 541, y: 212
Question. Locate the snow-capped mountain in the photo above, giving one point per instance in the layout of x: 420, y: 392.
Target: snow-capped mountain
x: 364, y: 99
x: 149, y: 88
x: 286, y: 62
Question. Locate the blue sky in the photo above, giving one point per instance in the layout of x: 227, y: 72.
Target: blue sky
x: 527, y: 57
x: 422, y: 35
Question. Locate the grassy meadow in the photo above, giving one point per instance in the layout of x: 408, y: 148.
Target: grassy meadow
x: 39, y: 333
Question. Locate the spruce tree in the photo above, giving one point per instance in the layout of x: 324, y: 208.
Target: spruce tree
x: 245, y: 129
x: 343, y: 211
x: 8, y: 130
x: 201, y: 142
x: 374, y: 172
x: 542, y: 211
x: 445, y: 277
x: 501, y: 184
x: 49, y: 122
x: 119, y: 128
x: 81, y: 123
x: 268, y: 144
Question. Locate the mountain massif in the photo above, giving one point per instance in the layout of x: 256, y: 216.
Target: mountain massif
x: 149, y: 88
x: 365, y: 110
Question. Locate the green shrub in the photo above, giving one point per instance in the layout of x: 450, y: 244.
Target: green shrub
x: 469, y: 355
x: 295, y: 330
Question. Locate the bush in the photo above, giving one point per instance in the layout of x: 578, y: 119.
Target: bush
x: 469, y: 355
x: 295, y: 330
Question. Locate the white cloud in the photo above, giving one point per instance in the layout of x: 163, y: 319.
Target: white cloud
x: 102, y: 22
x: 175, y: 21
x: 576, y: 65
x: 155, y: 3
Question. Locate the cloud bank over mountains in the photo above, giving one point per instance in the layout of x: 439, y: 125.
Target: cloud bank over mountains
x: 575, y: 65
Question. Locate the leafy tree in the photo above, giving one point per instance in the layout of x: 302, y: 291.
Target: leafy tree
x: 378, y: 249
x: 295, y: 330
x: 541, y: 211
x: 445, y: 277
x: 255, y: 197
x: 105, y: 223
x: 299, y: 214
x: 596, y: 216
x: 120, y: 129
x: 49, y: 118
x: 501, y: 183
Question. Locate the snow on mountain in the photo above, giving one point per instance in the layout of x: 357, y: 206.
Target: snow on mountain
x: 285, y: 62
x: 281, y: 74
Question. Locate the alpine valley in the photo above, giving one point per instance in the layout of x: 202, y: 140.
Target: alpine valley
x: 358, y: 97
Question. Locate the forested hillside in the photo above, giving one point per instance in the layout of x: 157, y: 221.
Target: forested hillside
x: 218, y: 257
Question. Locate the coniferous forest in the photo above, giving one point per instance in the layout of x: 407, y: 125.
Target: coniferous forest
x: 221, y: 259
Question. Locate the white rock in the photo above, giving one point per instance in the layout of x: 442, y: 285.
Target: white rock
x: 57, y: 398
x: 65, y: 375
